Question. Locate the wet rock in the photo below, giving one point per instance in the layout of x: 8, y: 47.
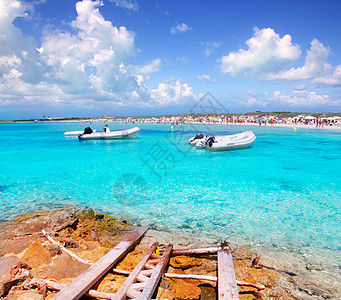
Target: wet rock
x: 243, y: 253
x: 36, y: 256
x: 53, y: 221
x: 86, y: 214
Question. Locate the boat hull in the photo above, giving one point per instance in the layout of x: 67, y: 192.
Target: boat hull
x: 112, y: 135
x: 73, y: 133
x: 232, y: 142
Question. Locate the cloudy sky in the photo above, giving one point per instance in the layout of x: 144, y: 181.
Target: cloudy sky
x: 132, y: 57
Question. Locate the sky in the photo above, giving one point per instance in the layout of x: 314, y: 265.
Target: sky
x: 89, y: 58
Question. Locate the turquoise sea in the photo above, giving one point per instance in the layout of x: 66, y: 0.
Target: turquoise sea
x: 283, y: 193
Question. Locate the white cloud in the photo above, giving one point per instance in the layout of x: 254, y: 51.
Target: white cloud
x: 266, y: 52
x: 210, y: 47
x: 129, y: 4
x: 172, y: 92
x: 17, y: 50
x: 180, y: 28
x: 315, y: 64
x: 298, y: 99
x: 302, y: 98
x: 88, y: 65
x: 206, y: 78
x: 334, y: 79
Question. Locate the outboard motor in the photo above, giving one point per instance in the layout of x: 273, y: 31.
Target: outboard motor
x: 87, y: 130
x: 199, y: 136
x: 209, y: 140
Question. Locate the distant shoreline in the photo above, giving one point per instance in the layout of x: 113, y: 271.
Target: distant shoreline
x: 148, y: 121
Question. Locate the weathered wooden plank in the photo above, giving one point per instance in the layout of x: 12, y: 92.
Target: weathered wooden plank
x: 58, y: 286
x: 196, y: 251
x: 148, y: 291
x: 133, y: 294
x: 88, y: 278
x: 211, y: 278
x: 142, y: 277
x: 122, y: 292
x: 139, y: 286
x: 227, y: 285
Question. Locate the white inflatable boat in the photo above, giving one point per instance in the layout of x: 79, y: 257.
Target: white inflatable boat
x: 108, y: 135
x: 224, y: 142
x: 73, y: 133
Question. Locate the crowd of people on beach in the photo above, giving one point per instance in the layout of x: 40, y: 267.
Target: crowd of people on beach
x: 298, y: 120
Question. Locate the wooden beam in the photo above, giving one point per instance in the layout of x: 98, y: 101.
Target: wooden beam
x: 190, y: 276
x: 122, y: 292
x: 227, y: 285
x: 211, y: 278
x: 52, y: 285
x: 153, y: 282
x: 196, y: 251
x: 141, y: 277
x: 88, y: 278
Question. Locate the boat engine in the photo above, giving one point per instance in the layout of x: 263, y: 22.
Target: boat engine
x: 199, y: 136
x: 87, y: 130
x: 209, y: 140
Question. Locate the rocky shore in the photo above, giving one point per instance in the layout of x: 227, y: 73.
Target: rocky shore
x: 25, y: 254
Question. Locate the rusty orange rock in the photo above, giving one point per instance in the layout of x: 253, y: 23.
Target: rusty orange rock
x: 35, y: 256
x: 184, y: 262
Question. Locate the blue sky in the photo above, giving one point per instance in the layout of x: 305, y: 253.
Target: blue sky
x: 128, y: 57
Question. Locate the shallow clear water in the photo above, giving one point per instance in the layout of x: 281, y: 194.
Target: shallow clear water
x: 283, y: 193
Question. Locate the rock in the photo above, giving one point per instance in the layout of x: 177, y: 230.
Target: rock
x: 63, y: 267
x: 6, y: 263
x: 86, y: 214
x: 6, y: 286
x: 35, y: 256
x: 184, y: 290
x: 111, y: 283
x: 53, y: 221
x: 70, y: 243
x: 20, y: 269
x: 24, y: 295
x: 184, y: 262
x: 53, y: 249
x: 207, y: 292
x: 243, y: 253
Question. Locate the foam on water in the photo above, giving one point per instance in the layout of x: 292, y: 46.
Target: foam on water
x: 283, y: 193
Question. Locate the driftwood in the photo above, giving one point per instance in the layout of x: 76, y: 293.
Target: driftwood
x: 66, y: 250
x: 88, y: 278
x: 144, y: 273
x: 227, y: 284
x: 156, y: 275
x: 212, y: 278
x: 197, y: 251
x: 58, y: 286
x: 192, y: 276
x: 122, y: 292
